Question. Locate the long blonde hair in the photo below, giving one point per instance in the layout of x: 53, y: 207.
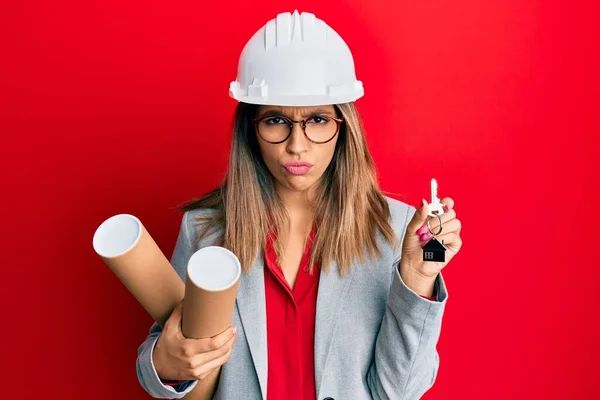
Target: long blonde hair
x: 348, y: 212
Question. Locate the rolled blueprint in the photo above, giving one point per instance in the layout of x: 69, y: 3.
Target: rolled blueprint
x: 213, y: 275
x: 127, y: 248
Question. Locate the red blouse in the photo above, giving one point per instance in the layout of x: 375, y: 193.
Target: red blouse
x: 290, y: 327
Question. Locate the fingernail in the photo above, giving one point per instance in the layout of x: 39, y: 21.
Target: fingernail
x: 234, y: 330
x: 446, y: 207
x: 422, y: 229
x: 426, y: 236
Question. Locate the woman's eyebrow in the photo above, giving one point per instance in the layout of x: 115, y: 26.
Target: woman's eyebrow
x: 320, y: 111
x: 272, y: 111
x: 279, y: 111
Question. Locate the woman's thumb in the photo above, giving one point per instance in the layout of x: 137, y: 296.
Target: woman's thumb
x: 420, y: 216
x: 176, y: 314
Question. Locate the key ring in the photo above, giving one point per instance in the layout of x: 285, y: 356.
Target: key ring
x: 441, y: 225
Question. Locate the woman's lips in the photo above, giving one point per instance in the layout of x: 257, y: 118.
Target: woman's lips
x: 298, y: 168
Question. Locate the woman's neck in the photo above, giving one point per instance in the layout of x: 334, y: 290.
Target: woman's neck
x: 298, y: 206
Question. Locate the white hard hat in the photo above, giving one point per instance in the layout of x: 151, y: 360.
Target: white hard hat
x: 296, y: 60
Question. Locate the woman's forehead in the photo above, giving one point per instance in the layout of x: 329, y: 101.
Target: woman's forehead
x: 297, y: 110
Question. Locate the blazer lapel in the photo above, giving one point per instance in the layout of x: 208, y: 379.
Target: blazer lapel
x: 332, y: 293
x: 252, y: 309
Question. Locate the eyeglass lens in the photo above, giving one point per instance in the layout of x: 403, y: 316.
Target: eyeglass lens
x: 276, y: 128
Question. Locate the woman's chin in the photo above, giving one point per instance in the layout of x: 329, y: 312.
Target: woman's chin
x: 298, y: 183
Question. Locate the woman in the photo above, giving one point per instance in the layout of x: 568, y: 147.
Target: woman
x: 335, y: 301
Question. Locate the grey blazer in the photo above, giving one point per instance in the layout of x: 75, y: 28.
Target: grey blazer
x: 374, y: 337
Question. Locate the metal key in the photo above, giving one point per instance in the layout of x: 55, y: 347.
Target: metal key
x: 435, y: 207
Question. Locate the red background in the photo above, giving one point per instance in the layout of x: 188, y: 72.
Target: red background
x: 112, y: 106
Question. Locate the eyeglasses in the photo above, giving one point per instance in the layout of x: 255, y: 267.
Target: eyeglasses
x: 277, y: 128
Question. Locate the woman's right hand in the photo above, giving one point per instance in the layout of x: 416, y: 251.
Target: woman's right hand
x: 177, y: 358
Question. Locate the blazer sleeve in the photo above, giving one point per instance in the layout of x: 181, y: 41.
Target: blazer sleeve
x: 146, y: 373
x: 406, y: 361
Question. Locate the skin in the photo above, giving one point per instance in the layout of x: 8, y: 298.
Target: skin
x: 296, y: 191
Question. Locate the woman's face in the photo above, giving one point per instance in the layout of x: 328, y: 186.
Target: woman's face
x: 297, y: 163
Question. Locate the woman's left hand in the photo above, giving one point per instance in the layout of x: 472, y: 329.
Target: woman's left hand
x: 420, y: 275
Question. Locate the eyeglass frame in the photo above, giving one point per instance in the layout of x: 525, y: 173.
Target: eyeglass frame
x: 258, y: 120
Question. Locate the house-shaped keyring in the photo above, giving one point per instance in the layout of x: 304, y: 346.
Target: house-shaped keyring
x: 434, y: 251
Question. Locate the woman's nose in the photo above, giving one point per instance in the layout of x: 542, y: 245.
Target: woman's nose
x: 298, y: 142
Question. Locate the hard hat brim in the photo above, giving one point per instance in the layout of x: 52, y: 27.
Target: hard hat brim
x: 304, y: 101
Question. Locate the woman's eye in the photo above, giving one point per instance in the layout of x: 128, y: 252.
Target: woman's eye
x: 275, y: 121
x: 318, y: 120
